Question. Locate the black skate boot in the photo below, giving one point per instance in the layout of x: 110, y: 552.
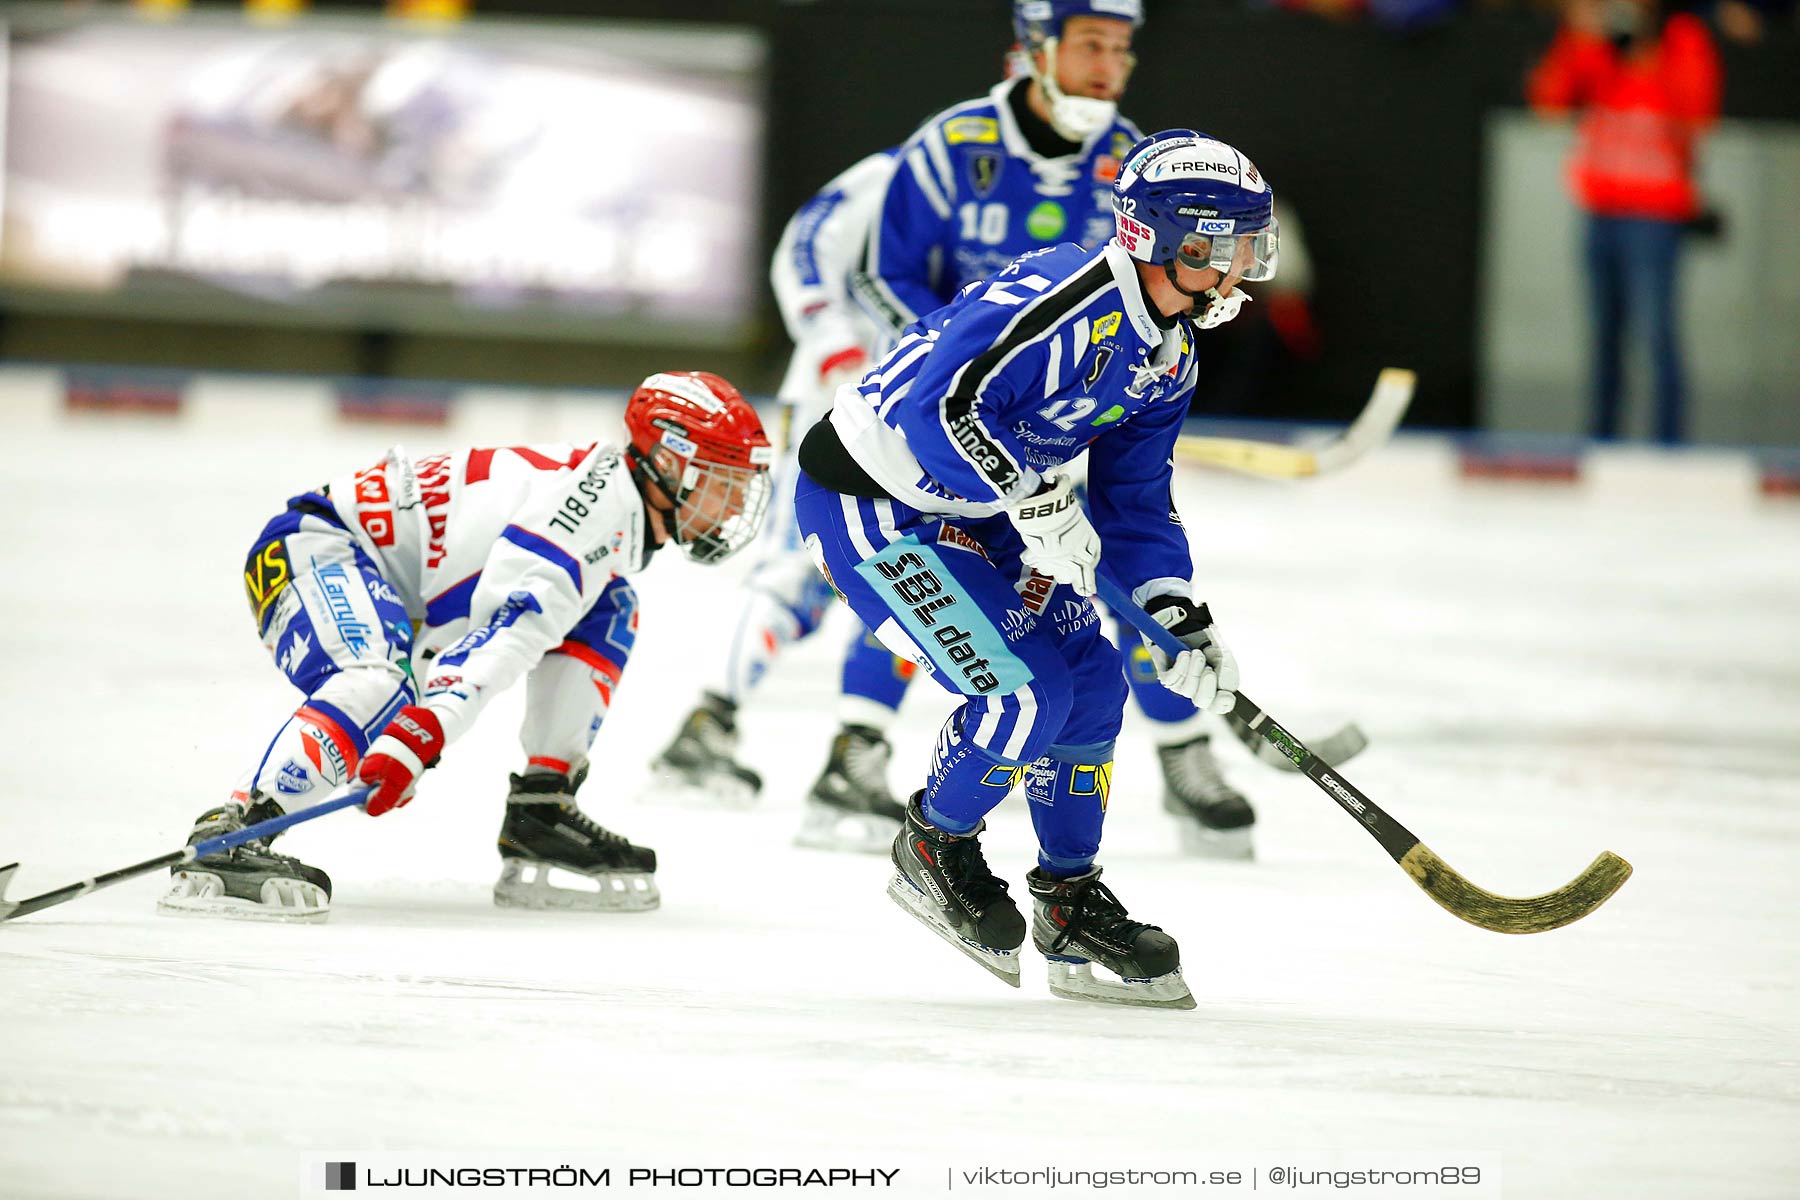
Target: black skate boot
x: 942, y: 879
x: 544, y: 831
x: 700, y: 764
x: 850, y: 807
x: 1078, y: 922
x: 1214, y: 818
x: 248, y: 882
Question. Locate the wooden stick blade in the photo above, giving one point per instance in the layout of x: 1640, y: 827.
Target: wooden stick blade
x: 1506, y: 914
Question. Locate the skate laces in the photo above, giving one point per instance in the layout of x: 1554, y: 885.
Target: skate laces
x: 591, y: 827
x: 961, y: 860
x: 865, y: 760
x: 1094, y: 907
x: 1194, y: 771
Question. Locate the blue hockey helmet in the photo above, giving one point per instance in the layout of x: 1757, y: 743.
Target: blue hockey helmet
x: 1037, y: 21
x: 1182, y: 197
x: 1038, y: 24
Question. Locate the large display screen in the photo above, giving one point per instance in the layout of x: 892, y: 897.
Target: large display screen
x: 496, y: 178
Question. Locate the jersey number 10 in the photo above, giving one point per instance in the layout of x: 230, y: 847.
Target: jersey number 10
x: 984, y: 222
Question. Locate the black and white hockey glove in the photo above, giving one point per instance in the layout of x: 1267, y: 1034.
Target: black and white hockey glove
x: 1206, y: 673
x: 1059, y: 539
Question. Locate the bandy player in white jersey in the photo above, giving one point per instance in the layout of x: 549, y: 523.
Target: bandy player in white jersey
x: 403, y: 597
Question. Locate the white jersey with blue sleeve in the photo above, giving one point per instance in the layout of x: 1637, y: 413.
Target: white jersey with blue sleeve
x: 819, y: 251
x: 496, y: 553
x: 970, y: 194
x: 1054, y: 355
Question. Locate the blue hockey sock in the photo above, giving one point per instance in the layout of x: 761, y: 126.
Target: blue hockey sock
x: 1067, y: 800
x: 873, y: 674
x: 966, y: 783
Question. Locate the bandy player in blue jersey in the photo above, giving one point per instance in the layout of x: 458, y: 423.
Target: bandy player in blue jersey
x: 896, y: 235
x: 932, y: 499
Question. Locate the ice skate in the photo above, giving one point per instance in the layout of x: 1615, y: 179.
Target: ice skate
x: 1078, y: 922
x: 1214, y: 819
x: 699, y: 766
x: 545, y: 838
x: 248, y: 882
x: 850, y: 807
x: 943, y: 881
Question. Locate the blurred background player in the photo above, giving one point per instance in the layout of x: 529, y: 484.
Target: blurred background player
x: 510, y: 562
x: 1031, y: 164
x: 932, y: 500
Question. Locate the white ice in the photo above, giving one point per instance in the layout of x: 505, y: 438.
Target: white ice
x: 1544, y: 671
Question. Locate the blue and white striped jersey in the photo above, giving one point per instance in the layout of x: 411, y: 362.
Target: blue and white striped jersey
x: 1019, y: 374
x: 969, y: 195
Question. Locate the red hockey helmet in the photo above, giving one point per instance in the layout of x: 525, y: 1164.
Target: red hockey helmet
x: 697, y: 439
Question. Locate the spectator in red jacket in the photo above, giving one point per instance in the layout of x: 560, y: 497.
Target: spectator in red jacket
x: 1645, y: 82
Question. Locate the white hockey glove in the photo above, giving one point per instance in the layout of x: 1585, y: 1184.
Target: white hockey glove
x: 1220, y: 309
x: 1207, y: 673
x: 1059, y: 539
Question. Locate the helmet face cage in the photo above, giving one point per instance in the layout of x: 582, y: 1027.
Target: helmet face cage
x: 720, y: 510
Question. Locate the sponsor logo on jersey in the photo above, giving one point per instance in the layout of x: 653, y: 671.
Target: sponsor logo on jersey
x: 1034, y: 589
x: 984, y: 173
x: 340, y: 601
x: 434, y: 490
x: 984, y: 131
x: 293, y: 778
x: 950, y: 535
x: 1046, y: 221
x: 983, y: 453
x: 1074, y: 614
x: 1106, y: 169
x: 1109, y: 416
x: 266, y: 573
x: 924, y: 595
x: 1134, y: 235
x: 1016, y: 623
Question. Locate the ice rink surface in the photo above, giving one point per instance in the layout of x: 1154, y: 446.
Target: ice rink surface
x: 1544, y: 671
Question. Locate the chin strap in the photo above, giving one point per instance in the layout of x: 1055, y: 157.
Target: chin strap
x: 1217, y: 309
x: 1220, y: 309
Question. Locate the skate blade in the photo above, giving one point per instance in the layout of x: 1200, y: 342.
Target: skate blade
x: 1073, y: 979
x: 1198, y: 841
x: 717, y: 790
x: 1002, y: 964
x: 527, y: 885
x: 284, y: 901
x: 827, y: 828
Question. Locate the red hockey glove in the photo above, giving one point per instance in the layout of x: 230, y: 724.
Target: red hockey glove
x: 396, y: 759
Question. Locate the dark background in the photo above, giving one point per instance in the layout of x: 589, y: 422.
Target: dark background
x: 1375, y: 138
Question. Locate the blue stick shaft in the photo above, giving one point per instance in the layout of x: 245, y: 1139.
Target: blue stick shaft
x: 1120, y: 601
x: 274, y: 825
